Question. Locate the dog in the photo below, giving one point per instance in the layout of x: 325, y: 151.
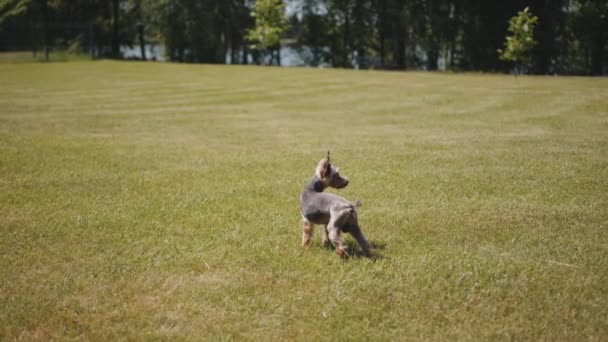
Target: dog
x: 334, y: 212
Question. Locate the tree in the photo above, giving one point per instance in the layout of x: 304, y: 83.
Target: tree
x: 436, y: 28
x: 520, y: 43
x: 9, y: 8
x: 340, y: 22
x: 589, y: 23
x: 198, y: 31
x: 551, y: 34
x: 362, y: 31
x: 311, y: 31
x: 270, y: 24
x: 115, y: 23
x: 395, y: 30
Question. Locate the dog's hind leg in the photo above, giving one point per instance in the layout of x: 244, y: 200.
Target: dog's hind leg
x: 355, y: 231
x: 334, y: 237
x: 307, y: 229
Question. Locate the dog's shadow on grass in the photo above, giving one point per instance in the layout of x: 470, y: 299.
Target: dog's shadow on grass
x: 355, y: 252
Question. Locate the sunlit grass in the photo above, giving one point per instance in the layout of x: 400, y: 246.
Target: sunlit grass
x: 146, y: 200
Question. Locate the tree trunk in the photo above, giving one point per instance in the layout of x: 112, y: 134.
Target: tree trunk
x: 382, y: 31
x: 115, y: 43
x: 401, y: 39
x: 45, y: 28
x: 234, y: 49
x: 432, y: 56
x: 432, y: 53
x: 245, y: 60
x: 142, y: 42
x: 227, y: 44
x: 180, y: 54
x: 413, y: 48
x: 32, y: 35
x: 92, y: 41
x: 382, y: 47
x: 597, y: 60
x: 400, y: 55
x: 587, y: 61
x: 598, y: 53
x: 454, y: 33
x: 346, y: 35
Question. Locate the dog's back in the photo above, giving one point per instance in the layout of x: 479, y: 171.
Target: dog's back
x: 317, y: 206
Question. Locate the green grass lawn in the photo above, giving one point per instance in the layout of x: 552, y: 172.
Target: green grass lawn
x: 147, y: 201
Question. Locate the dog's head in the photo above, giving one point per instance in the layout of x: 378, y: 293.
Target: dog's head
x: 330, y: 175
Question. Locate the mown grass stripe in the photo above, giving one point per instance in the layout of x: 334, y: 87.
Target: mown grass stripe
x: 160, y: 201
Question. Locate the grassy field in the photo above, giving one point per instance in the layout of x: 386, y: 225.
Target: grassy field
x: 146, y: 201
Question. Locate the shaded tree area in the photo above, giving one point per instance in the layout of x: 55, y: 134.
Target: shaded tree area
x: 191, y: 30
x: 202, y: 31
x: 454, y: 34
x: 571, y: 35
x: 94, y: 26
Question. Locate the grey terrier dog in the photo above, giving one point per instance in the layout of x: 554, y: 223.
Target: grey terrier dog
x: 335, y: 213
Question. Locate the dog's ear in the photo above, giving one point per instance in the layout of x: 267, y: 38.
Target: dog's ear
x: 325, y: 167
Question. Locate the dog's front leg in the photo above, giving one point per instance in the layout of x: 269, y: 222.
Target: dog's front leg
x: 324, y: 237
x: 307, y: 229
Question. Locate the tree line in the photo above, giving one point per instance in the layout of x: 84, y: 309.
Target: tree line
x: 571, y: 35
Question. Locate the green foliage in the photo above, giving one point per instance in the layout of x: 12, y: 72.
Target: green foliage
x: 521, y: 41
x: 10, y: 8
x: 395, y: 34
x: 197, y: 31
x: 270, y: 23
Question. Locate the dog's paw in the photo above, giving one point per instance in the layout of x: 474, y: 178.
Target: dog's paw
x: 342, y: 253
